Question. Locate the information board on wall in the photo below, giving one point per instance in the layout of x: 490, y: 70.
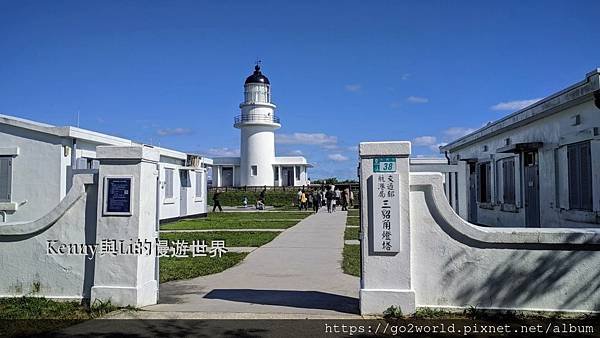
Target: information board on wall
x: 386, y: 213
x: 117, y: 196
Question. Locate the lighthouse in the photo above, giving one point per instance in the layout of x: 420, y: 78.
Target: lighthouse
x: 257, y: 123
x: 257, y: 164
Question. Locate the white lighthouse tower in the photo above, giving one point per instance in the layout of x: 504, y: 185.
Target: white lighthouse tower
x: 257, y: 123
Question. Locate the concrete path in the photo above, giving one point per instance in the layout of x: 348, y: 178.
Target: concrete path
x: 299, y: 272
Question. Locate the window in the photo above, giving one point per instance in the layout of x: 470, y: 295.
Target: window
x: 199, y: 184
x: 276, y: 173
x: 5, y: 178
x: 298, y: 173
x: 579, y: 158
x: 168, y: 183
x: 484, y: 186
x: 253, y: 170
x: 508, y: 180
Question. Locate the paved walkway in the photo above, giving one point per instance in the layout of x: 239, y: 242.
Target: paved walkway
x: 298, y: 273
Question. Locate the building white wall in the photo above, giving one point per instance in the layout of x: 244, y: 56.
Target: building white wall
x: 41, y: 173
x: 556, y: 132
x: 38, y: 172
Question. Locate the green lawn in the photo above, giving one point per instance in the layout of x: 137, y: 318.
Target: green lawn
x: 353, y: 212
x: 173, y: 268
x: 351, y: 261
x: 32, y: 316
x: 351, y: 233
x: 228, y: 224
x: 257, y: 215
x: 354, y: 221
x: 231, y: 238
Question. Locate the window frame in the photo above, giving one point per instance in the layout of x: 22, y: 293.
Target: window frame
x: 169, y: 184
x: 9, y: 178
x: 254, y: 170
x: 580, y: 188
x: 488, y: 183
x: 199, y: 193
x: 509, y: 180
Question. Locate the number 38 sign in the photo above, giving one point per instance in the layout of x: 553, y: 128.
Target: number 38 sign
x: 384, y: 165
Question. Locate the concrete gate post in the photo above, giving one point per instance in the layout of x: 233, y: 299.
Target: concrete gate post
x: 385, y: 276
x: 127, y: 212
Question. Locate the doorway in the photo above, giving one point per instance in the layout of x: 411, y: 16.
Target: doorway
x: 531, y: 188
x: 227, y: 177
x: 184, y: 179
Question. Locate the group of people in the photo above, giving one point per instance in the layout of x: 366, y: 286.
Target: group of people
x: 325, y: 196
x: 306, y: 198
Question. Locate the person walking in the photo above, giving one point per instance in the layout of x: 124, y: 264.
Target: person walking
x: 329, y: 199
x: 299, y: 199
x: 216, y: 202
x: 344, y: 200
x: 303, y: 201
x: 316, y: 200
x: 337, y: 196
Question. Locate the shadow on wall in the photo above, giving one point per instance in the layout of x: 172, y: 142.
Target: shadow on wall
x: 530, y: 273
x: 509, y: 284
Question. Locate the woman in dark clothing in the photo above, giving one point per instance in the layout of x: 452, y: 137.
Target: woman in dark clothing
x: 216, y: 202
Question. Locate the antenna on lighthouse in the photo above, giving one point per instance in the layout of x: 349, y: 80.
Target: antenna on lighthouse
x: 258, y: 62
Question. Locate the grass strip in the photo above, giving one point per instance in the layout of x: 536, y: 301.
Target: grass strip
x: 351, y: 233
x: 351, y: 260
x: 175, y: 268
x: 228, y: 224
x: 231, y: 238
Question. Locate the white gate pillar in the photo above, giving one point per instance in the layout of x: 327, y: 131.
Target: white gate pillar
x: 385, y: 276
x: 127, y: 211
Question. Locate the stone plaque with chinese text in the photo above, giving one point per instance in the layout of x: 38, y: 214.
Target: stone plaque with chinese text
x: 386, y: 213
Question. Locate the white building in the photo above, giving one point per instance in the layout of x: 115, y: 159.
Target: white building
x: 37, y: 162
x: 537, y: 167
x: 258, y: 165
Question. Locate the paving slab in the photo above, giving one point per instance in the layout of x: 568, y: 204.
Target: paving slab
x: 298, y: 273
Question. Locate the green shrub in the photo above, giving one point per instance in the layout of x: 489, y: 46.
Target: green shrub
x: 278, y: 198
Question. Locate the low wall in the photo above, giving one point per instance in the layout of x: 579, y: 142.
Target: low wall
x: 438, y: 259
x: 99, y: 242
x: 457, y: 264
x: 26, y: 267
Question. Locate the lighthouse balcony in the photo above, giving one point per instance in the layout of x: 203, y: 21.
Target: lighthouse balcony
x: 255, y: 119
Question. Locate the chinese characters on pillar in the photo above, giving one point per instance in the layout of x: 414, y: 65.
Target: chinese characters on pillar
x: 386, y: 213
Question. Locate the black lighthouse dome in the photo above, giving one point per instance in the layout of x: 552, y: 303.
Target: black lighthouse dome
x: 257, y: 77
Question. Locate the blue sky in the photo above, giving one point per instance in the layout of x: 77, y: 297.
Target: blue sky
x: 172, y: 72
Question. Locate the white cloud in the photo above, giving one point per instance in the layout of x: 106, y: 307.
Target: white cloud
x: 436, y: 147
x: 225, y: 152
x: 424, y: 140
x: 457, y: 132
x: 173, y: 131
x: 353, y: 148
x: 295, y: 153
x: 352, y: 87
x: 337, y: 157
x: 417, y: 99
x: 514, y: 105
x: 306, y: 138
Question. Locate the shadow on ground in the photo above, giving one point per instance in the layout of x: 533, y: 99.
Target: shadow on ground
x: 289, y: 298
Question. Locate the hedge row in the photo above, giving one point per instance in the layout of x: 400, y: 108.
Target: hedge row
x: 274, y: 198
